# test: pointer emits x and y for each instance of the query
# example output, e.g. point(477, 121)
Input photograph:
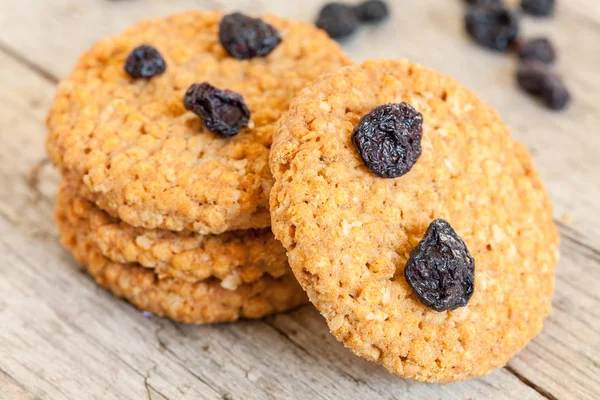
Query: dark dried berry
point(535, 79)
point(388, 139)
point(337, 19)
point(555, 95)
point(244, 37)
point(538, 8)
point(145, 62)
point(372, 11)
point(495, 27)
point(483, 2)
point(223, 112)
point(530, 78)
point(440, 269)
point(539, 49)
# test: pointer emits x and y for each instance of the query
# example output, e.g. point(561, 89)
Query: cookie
point(349, 233)
point(200, 302)
point(233, 257)
point(144, 158)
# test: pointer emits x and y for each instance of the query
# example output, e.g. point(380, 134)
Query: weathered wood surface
point(61, 337)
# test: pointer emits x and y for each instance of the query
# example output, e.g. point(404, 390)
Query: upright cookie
point(350, 233)
point(120, 125)
point(232, 257)
point(200, 302)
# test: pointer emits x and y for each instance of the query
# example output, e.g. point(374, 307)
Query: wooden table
point(62, 337)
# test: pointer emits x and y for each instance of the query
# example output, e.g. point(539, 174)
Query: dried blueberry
point(337, 19)
point(493, 26)
point(539, 49)
point(223, 112)
point(483, 2)
point(372, 11)
point(440, 269)
point(555, 95)
point(535, 79)
point(530, 78)
point(145, 62)
point(538, 8)
point(388, 139)
point(244, 37)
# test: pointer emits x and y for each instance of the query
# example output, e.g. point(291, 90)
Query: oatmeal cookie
point(233, 257)
point(201, 302)
point(143, 157)
point(350, 233)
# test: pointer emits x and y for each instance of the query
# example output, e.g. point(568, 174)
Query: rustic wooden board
point(61, 337)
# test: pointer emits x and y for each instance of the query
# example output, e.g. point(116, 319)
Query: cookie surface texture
point(233, 257)
point(144, 158)
point(201, 302)
point(350, 233)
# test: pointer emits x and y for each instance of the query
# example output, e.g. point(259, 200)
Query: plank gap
point(543, 392)
point(594, 252)
point(21, 59)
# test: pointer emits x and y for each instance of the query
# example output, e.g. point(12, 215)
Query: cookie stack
point(416, 224)
point(162, 135)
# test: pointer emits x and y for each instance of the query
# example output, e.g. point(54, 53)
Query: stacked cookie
point(162, 135)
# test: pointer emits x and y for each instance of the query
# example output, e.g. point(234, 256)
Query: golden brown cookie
point(350, 233)
point(147, 160)
point(200, 302)
point(233, 257)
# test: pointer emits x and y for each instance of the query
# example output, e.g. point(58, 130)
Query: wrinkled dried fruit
point(244, 37)
point(144, 62)
point(531, 76)
point(555, 95)
point(388, 139)
point(483, 2)
point(535, 79)
point(223, 112)
point(440, 269)
point(493, 26)
point(337, 19)
point(539, 49)
point(372, 11)
point(538, 8)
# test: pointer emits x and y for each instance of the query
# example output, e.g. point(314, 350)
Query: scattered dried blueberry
point(535, 79)
point(538, 8)
point(338, 20)
point(372, 11)
point(440, 269)
point(493, 26)
point(556, 96)
point(539, 49)
point(530, 78)
point(388, 139)
point(483, 2)
point(223, 112)
point(244, 37)
point(145, 62)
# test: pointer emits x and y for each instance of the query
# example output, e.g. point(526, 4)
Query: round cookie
point(233, 257)
point(350, 233)
point(147, 160)
point(201, 302)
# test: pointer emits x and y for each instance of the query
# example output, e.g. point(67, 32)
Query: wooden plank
point(11, 389)
point(562, 362)
point(565, 358)
point(63, 337)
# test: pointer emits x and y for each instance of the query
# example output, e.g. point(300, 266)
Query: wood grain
point(61, 337)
